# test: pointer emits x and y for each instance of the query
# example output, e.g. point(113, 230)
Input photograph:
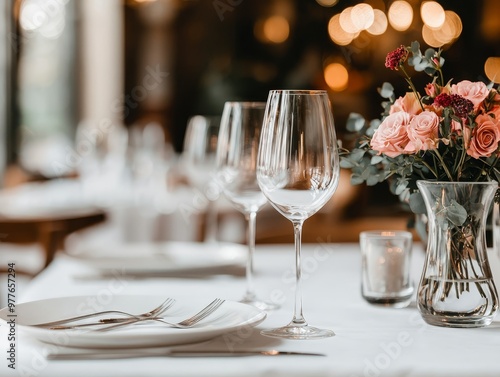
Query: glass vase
point(456, 288)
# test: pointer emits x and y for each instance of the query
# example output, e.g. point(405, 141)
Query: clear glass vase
point(456, 288)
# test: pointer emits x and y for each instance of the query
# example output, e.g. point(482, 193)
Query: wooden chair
point(48, 230)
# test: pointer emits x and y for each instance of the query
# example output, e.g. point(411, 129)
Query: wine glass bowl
point(237, 151)
point(298, 171)
point(199, 152)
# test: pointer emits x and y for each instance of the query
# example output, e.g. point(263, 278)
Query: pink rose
point(485, 137)
point(391, 137)
point(423, 132)
point(476, 92)
point(430, 90)
point(409, 103)
point(495, 111)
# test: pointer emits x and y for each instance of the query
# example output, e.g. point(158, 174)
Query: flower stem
point(443, 164)
point(410, 83)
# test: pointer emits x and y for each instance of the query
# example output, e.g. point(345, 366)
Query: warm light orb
point(453, 21)
point(451, 29)
point(492, 69)
point(430, 38)
point(400, 15)
point(432, 14)
point(346, 21)
point(336, 76)
point(327, 3)
point(337, 34)
point(379, 25)
point(276, 29)
point(362, 16)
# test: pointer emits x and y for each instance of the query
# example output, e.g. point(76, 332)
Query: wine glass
point(200, 146)
point(298, 171)
point(236, 171)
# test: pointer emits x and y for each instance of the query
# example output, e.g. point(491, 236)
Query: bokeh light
point(379, 25)
point(400, 15)
point(337, 33)
point(362, 16)
point(327, 3)
point(432, 14)
point(346, 21)
point(492, 69)
point(336, 76)
point(274, 29)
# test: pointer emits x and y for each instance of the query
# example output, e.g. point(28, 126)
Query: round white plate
point(229, 317)
point(162, 257)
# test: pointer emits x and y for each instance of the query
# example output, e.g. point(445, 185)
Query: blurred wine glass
point(298, 171)
point(150, 158)
point(237, 149)
point(200, 145)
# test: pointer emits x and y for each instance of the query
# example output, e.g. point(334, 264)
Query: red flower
point(443, 100)
point(396, 58)
point(461, 106)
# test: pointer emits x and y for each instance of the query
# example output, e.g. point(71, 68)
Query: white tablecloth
point(370, 341)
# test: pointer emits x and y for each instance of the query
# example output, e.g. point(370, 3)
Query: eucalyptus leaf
point(346, 163)
point(429, 53)
point(376, 160)
point(372, 180)
point(357, 154)
point(401, 187)
point(387, 90)
point(421, 66)
point(356, 180)
point(415, 48)
point(417, 204)
point(414, 60)
point(430, 70)
point(355, 122)
point(456, 213)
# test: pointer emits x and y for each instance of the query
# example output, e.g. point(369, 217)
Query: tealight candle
point(386, 267)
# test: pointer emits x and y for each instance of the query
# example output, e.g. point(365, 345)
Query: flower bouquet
point(440, 151)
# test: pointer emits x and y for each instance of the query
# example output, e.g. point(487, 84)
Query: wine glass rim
point(247, 103)
point(298, 91)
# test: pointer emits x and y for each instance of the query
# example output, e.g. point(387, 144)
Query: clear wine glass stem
point(251, 221)
point(298, 318)
point(211, 222)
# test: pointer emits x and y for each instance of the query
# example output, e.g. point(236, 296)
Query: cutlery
point(119, 322)
point(125, 354)
point(186, 323)
point(152, 313)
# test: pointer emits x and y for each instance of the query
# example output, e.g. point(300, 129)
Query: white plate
point(229, 317)
point(162, 257)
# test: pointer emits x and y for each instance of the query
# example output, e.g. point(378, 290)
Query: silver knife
point(126, 354)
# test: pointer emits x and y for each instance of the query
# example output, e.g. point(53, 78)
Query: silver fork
point(186, 323)
point(152, 313)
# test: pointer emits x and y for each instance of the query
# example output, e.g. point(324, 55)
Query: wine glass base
point(298, 332)
point(263, 305)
